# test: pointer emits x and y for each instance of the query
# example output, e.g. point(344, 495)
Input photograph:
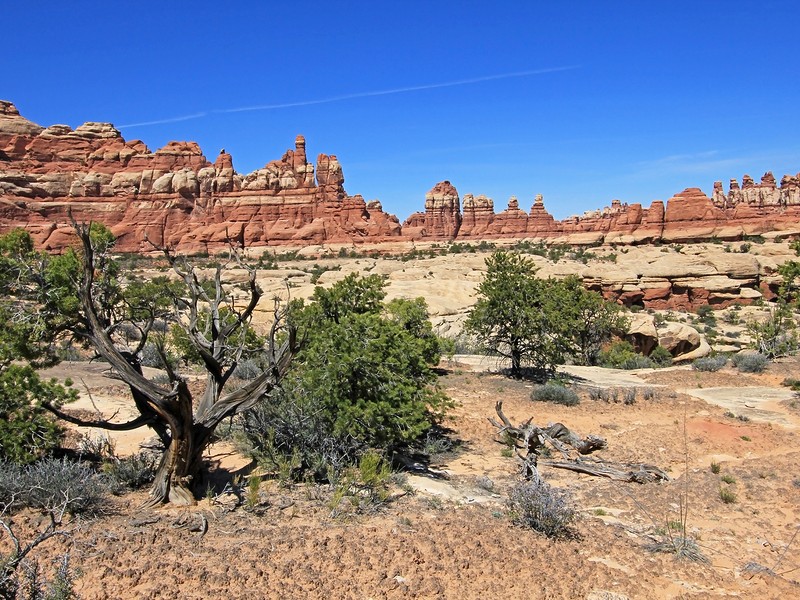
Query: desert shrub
point(727, 495)
point(24, 580)
point(119, 474)
point(130, 472)
point(605, 394)
point(363, 487)
point(465, 344)
point(621, 355)
point(150, 357)
point(248, 369)
point(792, 383)
point(660, 357)
point(710, 363)
point(629, 396)
point(267, 260)
point(294, 437)
point(677, 543)
point(68, 352)
point(436, 442)
point(706, 315)
point(96, 448)
point(447, 347)
point(616, 353)
point(536, 505)
point(777, 334)
point(51, 483)
point(161, 379)
point(626, 395)
point(554, 392)
point(750, 362)
point(731, 317)
point(364, 379)
point(27, 431)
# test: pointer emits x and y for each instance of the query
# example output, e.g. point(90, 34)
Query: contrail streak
point(403, 90)
point(198, 115)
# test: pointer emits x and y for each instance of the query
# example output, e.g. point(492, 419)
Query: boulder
point(704, 349)
point(679, 338)
point(642, 332)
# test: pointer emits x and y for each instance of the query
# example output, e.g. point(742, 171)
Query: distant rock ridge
point(175, 196)
point(689, 216)
point(172, 196)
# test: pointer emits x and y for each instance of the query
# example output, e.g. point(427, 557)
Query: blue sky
point(583, 102)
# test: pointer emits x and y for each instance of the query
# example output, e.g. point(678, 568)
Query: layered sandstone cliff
point(688, 216)
point(172, 196)
point(175, 196)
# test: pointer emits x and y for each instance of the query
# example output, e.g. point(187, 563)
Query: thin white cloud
point(403, 90)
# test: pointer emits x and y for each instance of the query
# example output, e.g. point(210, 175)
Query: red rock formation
point(691, 215)
point(478, 216)
point(442, 216)
point(174, 195)
point(540, 222)
point(512, 222)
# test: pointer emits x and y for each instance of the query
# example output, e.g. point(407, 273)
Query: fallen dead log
point(635, 472)
point(532, 442)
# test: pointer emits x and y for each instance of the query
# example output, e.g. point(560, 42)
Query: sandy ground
point(451, 538)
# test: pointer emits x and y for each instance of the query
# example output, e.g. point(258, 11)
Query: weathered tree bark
point(516, 361)
point(531, 442)
point(634, 472)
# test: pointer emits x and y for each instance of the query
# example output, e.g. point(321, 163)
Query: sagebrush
point(50, 483)
point(556, 393)
point(710, 363)
point(538, 506)
point(750, 362)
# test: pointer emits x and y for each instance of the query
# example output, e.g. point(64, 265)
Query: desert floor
point(451, 537)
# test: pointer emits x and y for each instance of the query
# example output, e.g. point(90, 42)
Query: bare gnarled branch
point(531, 441)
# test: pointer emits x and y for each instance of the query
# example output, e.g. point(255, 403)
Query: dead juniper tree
point(215, 327)
point(532, 442)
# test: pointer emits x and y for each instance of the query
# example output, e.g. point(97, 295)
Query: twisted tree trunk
point(186, 431)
